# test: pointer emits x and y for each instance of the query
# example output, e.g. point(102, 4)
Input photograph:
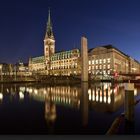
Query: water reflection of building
point(103, 97)
point(68, 96)
point(106, 97)
point(50, 114)
point(50, 111)
point(13, 91)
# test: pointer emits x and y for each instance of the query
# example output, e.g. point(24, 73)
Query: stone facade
point(106, 60)
point(65, 63)
point(103, 61)
point(37, 64)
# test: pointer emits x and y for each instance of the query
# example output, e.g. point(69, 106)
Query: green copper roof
point(65, 54)
point(40, 59)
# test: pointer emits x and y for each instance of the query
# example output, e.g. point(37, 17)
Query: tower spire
point(49, 17)
point(49, 26)
point(49, 41)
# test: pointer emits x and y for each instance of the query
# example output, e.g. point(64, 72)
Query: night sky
point(23, 26)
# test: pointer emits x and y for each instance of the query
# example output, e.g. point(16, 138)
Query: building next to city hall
point(103, 60)
point(106, 60)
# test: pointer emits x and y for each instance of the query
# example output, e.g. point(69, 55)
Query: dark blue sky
point(23, 26)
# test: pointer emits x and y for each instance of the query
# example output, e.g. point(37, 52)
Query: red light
point(116, 74)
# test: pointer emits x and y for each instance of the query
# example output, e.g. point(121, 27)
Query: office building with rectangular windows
point(106, 60)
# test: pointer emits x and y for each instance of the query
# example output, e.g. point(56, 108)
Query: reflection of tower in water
point(50, 112)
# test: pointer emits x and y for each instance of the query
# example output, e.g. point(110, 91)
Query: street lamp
point(1, 72)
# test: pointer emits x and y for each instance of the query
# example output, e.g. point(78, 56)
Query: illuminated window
point(108, 66)
point(89, 62)
point(100, 67)
point(93, 67)
point(126, 65)
point(93, 62)
point(100, 61)
point(75, 72)
point(104, 67)
point(96, 61)
point(89, 67)
point(108, 71)
point(104, 60)
point(96, 67)
point(108, 60)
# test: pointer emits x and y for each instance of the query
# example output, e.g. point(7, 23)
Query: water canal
point(77, 109)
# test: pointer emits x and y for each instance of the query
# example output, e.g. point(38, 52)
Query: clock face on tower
point(49, 43)
point(49, 47)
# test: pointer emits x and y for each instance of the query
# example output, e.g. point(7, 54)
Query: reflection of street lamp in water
point(1, 93)
point(1, 96)
point(1, 72)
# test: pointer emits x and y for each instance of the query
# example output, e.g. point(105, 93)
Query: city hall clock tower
point(49, 41)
